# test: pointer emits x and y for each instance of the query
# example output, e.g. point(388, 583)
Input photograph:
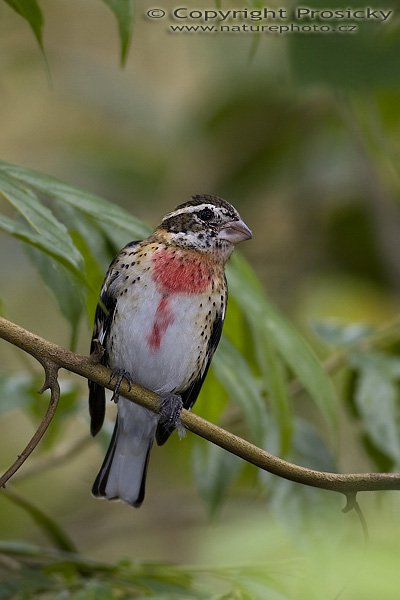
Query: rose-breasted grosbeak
point(160, 319)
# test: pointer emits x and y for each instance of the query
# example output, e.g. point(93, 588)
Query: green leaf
point(236, 328)
point(233, 372)
point(87, 229)
point(93, 274)
point(214, 470)
point(103, 212)
point(275, 380)
point(123, 12)
point(213, 398)
point(52, 530)
point(365, 59)
point(43, 231)
point(15, 390)
point(67, 291)
point(95, 248)
point(300, 506)
point(70, 393)
point(26, 582)
point(21, 391)
point(30, 10)
point(291, 346)
point(376, 399)
point(336, 333)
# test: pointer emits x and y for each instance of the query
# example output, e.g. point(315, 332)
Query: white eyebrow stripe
point(190, 209)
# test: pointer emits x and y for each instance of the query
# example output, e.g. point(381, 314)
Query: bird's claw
point(170, 411)
point(119, 375)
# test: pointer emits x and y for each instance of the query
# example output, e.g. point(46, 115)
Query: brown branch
point(50, 383)
point(347, 484)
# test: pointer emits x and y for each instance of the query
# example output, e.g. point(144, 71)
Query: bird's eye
point(206, 214)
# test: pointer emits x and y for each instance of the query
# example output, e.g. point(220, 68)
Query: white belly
point(162, 357)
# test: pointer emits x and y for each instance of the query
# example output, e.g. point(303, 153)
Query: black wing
point(102, 323)
point(190, 395)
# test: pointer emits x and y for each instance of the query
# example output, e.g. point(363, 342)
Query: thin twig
point(51, 383)
point(351, 501)
point(47, 352)
point(363, 522)
point(352, 504)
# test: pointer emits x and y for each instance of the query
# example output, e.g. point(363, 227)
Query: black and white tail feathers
point(122, 477)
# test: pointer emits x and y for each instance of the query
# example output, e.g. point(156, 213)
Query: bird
point(158, 323)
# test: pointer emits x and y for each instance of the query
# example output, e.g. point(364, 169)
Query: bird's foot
point(170, 411)
point(119, 375)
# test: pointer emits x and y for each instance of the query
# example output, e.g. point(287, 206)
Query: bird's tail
point(123, 472)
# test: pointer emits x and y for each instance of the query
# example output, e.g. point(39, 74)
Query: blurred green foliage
point(247, 381)
point(303, 135)
point(30, 10)
point(122, 10)
point(373, 51)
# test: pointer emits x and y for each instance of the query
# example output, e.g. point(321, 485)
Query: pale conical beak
point(235, 232)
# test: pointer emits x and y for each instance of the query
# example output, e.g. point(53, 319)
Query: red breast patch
point(182, 272)
point(163, 318)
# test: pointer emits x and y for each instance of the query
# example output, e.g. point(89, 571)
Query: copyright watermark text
point(299, 19)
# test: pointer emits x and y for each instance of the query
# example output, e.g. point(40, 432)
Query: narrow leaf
point(93, 274)
point(103, 212)
point(377, 400)
point(87, 229)
point(53, 531)
point(233, 372)
point(15, 390)
point(123, 12)
point(335, 333)
point(44, 231)
point(292, 347)
point(363, 62)
point(214, 470)
point(30, 11)
point(67, 291)
point(300, 507)
point(274, 376)
point(22, 232)
point(70, 393)
point(213, 398)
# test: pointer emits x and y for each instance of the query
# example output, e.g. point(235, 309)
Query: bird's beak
point(235, 232)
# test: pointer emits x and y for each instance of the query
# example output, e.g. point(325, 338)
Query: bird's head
point(205, 223)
